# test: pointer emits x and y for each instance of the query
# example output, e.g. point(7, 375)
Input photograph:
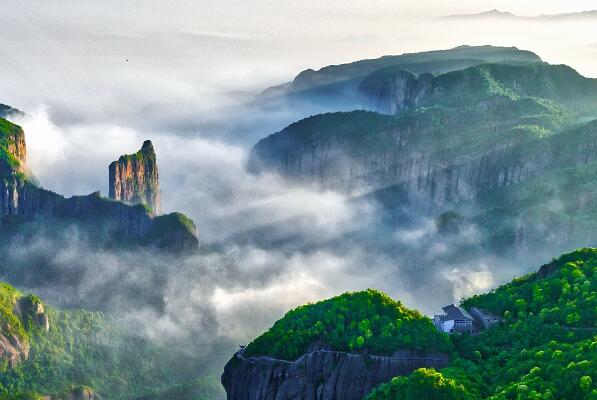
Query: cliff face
point(511, 145)
point(395, 92)
point(134, 179)
point(13, 349)
point(116, 222)
point(16, 314)
point(319, 375)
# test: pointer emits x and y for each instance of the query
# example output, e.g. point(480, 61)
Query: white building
point(454, 319)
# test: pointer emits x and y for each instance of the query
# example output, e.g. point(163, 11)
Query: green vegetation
point(368, 320)
point(89, 349)
point(8, 134)
point(508, 136)
point(423, 384)
point(545, 349)
point(173, 231)
point(10, 323)
point(567, 297)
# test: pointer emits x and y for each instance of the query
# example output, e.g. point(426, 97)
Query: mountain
point(364, 337)
point(425, 61)
point(134, 179)
point(335, 87)
point(114, 223)
point(77, 354)
point(497, 14)
point(507, 146)
point(543, 347)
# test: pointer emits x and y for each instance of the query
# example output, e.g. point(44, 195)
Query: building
point(454, 319)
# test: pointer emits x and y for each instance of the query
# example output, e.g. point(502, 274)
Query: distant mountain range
point(496, 128)
point(590, 14)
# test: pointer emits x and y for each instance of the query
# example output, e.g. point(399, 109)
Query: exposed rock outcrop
point(395, 92)
point(112, 221)
point(13, 349)
point(17, 314)
point(319, 374)
point(31, 308)
point(134, 179)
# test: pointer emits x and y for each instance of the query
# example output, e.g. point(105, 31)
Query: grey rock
point(319, 375)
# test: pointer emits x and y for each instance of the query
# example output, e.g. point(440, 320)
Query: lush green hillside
point(350, 322)
point(546, 348)
point(88, 348)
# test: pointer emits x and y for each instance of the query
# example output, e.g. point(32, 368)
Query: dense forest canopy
point(546, 347)
point(367, 320)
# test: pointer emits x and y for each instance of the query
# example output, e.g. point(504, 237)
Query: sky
point(98, 78)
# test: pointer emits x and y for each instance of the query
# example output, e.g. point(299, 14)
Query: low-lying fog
point(97, 79)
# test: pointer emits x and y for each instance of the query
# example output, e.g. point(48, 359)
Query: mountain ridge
point(495, 13)
point(556, 303)
point(22, 200)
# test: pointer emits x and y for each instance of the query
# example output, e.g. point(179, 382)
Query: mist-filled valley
point(429, 155)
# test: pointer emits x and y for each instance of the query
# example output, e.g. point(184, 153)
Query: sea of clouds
point(97, 80)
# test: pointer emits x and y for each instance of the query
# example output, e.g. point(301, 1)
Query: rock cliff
point(17, 313)
point(320, 374)
point(110, 222)
point(13, 349)
point(134, 179)
point(516, 142)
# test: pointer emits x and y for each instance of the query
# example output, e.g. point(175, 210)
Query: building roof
point(456, 312)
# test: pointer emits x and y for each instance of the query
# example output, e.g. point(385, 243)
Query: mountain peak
point(134, 178)
point(147, 147)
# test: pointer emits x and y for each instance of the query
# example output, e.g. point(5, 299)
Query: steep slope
point(17, 316)
point(83, 353)
point(134, 179)
point(337, 348)
point(513, 142)
point(544, 348)
point(110, 222)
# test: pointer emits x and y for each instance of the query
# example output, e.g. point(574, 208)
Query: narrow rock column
point(134, 179)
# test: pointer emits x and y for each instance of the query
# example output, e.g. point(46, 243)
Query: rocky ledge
point(319, 374)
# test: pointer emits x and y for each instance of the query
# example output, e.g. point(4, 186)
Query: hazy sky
point(186, 57)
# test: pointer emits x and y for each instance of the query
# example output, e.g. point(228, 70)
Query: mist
point(97, 80)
